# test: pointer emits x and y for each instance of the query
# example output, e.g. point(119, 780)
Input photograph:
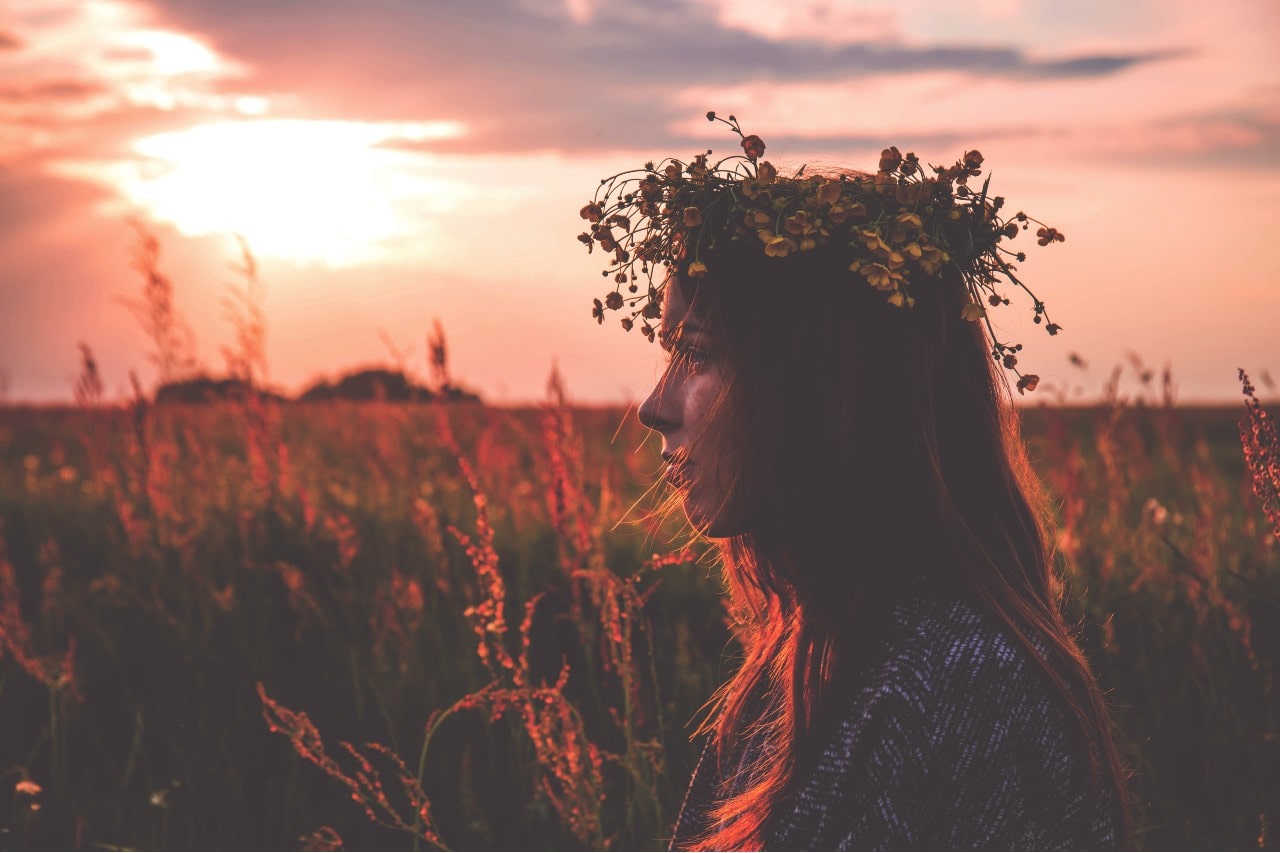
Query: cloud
point(51, 90)
point(528, 76)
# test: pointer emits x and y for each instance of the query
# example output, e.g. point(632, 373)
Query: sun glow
point(330, 192)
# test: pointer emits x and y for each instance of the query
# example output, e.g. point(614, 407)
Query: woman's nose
point(658, 411)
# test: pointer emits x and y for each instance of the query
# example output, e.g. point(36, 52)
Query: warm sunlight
point(330, 192)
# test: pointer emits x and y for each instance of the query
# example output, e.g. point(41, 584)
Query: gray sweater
point(954, 740)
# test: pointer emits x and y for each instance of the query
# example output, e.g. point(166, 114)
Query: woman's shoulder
point(939, 647)
point(953, 735)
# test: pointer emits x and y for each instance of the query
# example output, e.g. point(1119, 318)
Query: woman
point(833, 417)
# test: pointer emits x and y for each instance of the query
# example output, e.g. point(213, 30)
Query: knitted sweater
point(954, 740)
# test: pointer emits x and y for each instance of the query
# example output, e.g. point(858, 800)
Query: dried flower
point(1049, 235)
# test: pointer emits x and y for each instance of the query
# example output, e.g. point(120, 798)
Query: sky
point(392, 162)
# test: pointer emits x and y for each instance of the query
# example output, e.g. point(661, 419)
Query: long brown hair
point(875, 446)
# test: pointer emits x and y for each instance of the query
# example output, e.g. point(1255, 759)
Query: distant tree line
point(366, 385)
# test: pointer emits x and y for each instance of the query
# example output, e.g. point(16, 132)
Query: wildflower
point(898, 299)
point(829, 192)
point(1049, 235)
point(780, 247)
point(878, 276)
point(613, 301)
point(1028, 383)
point(905, 227)
point(890, 159)
point(872, 240)
point(697, 269)
point(692, 217)
point(26, 786)
point(932, 258)
point(753, 146)
point(972, 160)
point(972, 311)
point(766, 173)
point(1155, 511)
point(800, 222)
point(592, 211)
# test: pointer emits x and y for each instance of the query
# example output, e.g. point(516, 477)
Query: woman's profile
point(835, 418)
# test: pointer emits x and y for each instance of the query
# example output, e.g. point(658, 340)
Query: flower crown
point(900, 227)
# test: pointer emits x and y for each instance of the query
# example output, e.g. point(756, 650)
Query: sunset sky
point(393, 162)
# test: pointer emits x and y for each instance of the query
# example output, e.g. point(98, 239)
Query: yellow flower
point(932, 258)
point(855, 266)
point(905, 227)
point(912, 251)
point(898, 299)
point(757, 219)
point(800, 222)
point(780, 247)
point(807, 243)
point(879, 276)
point(895, 260)
point(871, 239)
point(766, 173)
point(829, 193)
point(972, 311)
point(697, 269)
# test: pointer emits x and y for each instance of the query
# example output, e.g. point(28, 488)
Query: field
point(406, 626)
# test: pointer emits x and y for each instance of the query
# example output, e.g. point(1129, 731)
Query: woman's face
point(679, 408)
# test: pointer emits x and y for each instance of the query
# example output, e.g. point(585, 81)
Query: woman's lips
point(678, 473)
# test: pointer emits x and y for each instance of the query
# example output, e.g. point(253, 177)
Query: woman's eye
point(694, 357)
